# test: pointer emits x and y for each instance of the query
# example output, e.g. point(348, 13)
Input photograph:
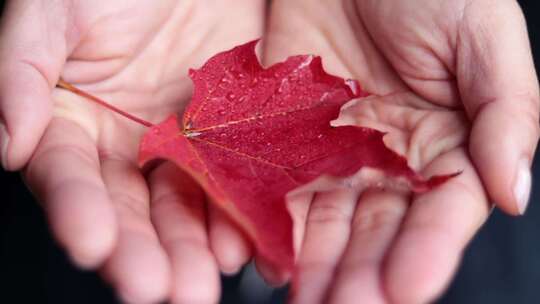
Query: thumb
point(32, 51)
point(498, 84)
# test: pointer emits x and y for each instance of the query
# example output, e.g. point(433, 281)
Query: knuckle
point(130, 204)
point(376, 220)
point(322, 214)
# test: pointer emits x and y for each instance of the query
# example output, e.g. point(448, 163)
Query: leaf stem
point(67, 86)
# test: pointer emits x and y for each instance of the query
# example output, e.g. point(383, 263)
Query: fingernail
point(522, 187)
point(4, 142)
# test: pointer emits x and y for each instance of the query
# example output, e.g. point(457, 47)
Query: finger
point(30, 61)
point(272, 276)
point(437, 227)
point(327, 232)
point(498, 84)
point(375, 223)
point(178, 213)
point(227, 241)
point(64, 173)
point(138, 267)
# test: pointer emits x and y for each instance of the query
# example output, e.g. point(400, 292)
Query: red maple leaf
point(250, 135)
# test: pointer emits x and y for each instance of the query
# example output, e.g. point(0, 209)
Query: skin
point(445, 88)
point(143, 232)
point(456, 89)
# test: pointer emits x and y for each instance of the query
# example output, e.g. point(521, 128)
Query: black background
point(502, 264)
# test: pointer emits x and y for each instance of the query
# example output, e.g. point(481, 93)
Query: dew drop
point(230, 96)
point(243, 98)
point(226, 79)
point(306, 62)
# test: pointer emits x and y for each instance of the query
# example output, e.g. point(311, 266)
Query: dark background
point(502, 264)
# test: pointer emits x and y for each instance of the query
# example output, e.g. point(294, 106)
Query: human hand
point(144, 233)
point(456, 90)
